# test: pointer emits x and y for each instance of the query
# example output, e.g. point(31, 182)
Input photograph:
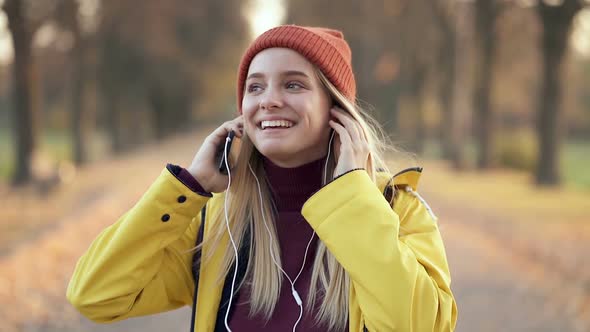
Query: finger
point(343, 134)
point(220, 133)
point(349, 123)
point(239, 121)
point(237, 129)
point(361, 135)
point(237, 126)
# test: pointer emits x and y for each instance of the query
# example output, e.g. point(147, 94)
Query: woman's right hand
point(203, 167)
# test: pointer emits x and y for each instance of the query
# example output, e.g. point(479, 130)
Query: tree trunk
point(447, 93)
point(556, 23)
point(484, 122)
point(462, 98)
point(112, 109)
point(157, 100)
point(80, 121)
point(25, 123)
point(78, 112)
point(391, 97)
point(416, 98)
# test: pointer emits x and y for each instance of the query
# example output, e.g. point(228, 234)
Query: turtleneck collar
point(291, 187)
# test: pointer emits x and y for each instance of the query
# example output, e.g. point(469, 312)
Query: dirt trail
point(496, 289)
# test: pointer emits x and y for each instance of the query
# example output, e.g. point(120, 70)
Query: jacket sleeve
point(141, 264)
point(395, 258)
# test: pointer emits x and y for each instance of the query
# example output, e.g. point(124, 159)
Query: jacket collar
point(407, 177)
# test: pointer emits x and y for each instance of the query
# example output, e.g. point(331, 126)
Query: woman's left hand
point(351, 147)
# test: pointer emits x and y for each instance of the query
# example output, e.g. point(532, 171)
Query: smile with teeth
point(276, 124)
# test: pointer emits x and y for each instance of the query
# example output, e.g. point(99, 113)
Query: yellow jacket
point(396, 260)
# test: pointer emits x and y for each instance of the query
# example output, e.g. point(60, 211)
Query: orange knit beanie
point(325, 48)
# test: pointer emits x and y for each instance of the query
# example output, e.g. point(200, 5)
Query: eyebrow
point(286, 73)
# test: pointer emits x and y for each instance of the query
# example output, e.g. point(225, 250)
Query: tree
point(450, 16)
point(486, 14)
point(67, 16)
point(444, 18)
point(556, 22)
point(417, 43)
point(24, 19)
point(160, 58)
point(25, 112)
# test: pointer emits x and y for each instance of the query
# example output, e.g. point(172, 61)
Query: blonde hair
point(329, 279)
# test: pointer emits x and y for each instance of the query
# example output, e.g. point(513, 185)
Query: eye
point(294, 85)
point(254, 87)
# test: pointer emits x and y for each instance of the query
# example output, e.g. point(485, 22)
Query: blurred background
point(492, 97)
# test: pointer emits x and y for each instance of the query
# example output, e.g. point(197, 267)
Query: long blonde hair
point(329, 279)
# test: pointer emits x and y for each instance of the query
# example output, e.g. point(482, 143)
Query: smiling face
point(286, 108)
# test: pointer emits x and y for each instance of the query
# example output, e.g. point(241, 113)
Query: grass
point(54, 145)
point(6, 155)
point(575, 164)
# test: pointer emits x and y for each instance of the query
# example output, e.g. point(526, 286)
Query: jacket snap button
point(181, 199)
point(165, 217)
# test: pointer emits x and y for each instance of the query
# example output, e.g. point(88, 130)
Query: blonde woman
point(307, 232)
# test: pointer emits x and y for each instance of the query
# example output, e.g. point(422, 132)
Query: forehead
point(276, 60)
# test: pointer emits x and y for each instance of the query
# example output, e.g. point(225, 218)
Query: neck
point(292, 186)
point(292, 163)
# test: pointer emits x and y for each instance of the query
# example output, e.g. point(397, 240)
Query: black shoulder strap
point(244, 254)
point(195, 267)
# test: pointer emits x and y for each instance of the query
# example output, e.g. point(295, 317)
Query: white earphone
point(292, 282)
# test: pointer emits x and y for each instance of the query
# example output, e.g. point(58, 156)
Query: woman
point(305, 233)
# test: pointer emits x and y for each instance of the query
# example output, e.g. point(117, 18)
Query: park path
point(497, 287)
point(495, 290)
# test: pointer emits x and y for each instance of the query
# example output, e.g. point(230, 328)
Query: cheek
point(249, 124)
point(320, 117)
point(248, 111)
point(321, 110)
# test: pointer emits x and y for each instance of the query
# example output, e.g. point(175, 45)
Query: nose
point(271, 99)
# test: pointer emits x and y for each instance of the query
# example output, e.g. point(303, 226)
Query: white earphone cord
point(292, 282)
point(227, 140)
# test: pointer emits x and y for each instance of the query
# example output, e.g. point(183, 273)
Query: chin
point(273, 151)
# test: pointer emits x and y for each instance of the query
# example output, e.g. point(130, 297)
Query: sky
point(265, 14)
point(5, 42)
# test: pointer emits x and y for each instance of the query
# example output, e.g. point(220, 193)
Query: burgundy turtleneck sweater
point(291, 187)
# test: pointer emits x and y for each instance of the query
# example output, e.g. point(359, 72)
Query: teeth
point(276, 123)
